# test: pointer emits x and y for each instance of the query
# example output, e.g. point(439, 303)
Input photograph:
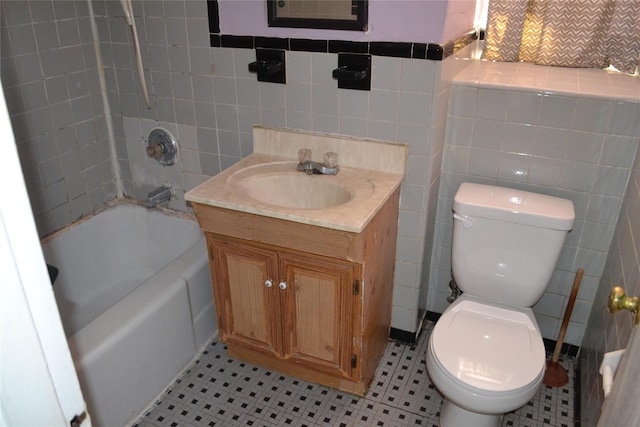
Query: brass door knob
point(618, 300)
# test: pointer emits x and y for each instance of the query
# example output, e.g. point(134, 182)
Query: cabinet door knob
point(268, 283)
point(283, 285)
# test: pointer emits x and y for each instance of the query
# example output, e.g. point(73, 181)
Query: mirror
point(322, 14)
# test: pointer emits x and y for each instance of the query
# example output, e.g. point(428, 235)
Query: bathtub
point(135, 299)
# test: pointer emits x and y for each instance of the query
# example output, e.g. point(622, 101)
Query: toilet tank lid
point(507, 204)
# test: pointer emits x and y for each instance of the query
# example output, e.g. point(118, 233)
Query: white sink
point(279, 184)
point(298, 191)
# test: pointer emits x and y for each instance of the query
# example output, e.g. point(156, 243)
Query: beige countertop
point(367, 190)
point(264, 182)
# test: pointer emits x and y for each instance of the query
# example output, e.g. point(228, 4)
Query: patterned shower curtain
point(568, 33)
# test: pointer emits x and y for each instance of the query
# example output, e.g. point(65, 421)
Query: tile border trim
point(214, 16)
point(403, 336)
point(412, 50)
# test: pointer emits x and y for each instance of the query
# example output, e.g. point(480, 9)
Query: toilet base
point(451, 415)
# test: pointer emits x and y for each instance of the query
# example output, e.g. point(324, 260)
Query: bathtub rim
point(110, 205)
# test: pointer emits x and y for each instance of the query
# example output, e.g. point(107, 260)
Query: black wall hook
point(269, 66)
point(354, 71)
point(265, 67)
point(343, 73)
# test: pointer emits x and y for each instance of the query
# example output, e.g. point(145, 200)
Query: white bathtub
point(134, 294)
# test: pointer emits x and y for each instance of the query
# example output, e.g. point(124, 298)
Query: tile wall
point(517, 125)
point(49, 77)
point(606, 332)
point(207, 98)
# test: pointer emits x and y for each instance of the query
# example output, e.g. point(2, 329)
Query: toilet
point(485, 354)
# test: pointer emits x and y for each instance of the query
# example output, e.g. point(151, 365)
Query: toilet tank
point(506, 242)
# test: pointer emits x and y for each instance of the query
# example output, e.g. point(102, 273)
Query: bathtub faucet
point(159, 195)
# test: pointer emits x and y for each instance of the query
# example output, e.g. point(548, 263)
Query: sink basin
point(298, 191)
point(279, 185)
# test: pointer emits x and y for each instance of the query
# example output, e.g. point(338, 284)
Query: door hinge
point(356, 287)
point(354, 361)
point(78, 419)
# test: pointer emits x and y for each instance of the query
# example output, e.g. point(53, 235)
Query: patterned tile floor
point(219, 391)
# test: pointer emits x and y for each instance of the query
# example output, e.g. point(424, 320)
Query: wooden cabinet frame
point(349, 274)
point(309, 322)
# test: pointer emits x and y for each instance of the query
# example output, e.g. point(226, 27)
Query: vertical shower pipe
point(127, 7)
point(128, 12)
point(115, 166)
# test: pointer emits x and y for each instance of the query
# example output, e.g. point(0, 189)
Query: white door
point(38, 382)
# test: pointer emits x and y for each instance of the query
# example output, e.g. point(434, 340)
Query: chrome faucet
point(305, 164)
point(159, 195)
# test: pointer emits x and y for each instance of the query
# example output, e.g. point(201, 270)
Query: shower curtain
point(569, 33)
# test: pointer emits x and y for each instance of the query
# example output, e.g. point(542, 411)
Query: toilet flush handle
point(465, 220)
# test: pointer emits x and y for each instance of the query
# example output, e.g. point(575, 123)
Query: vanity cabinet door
point(318, 304)
point(247, 295)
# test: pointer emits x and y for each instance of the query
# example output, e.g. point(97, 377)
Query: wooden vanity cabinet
point(303, 300)
point(288, 305)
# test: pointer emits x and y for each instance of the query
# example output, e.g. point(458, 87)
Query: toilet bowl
point(486, 359)
point(485, 354)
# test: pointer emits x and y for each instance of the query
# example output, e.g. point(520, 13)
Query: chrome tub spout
point(159, 195)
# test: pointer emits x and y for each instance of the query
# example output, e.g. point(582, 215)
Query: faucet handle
point(330, 159)
point(154, 150)
point(304, 155)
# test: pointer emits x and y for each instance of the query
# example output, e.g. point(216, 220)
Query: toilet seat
point(487, 347)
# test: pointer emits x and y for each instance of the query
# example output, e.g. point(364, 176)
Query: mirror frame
point(359, 24)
